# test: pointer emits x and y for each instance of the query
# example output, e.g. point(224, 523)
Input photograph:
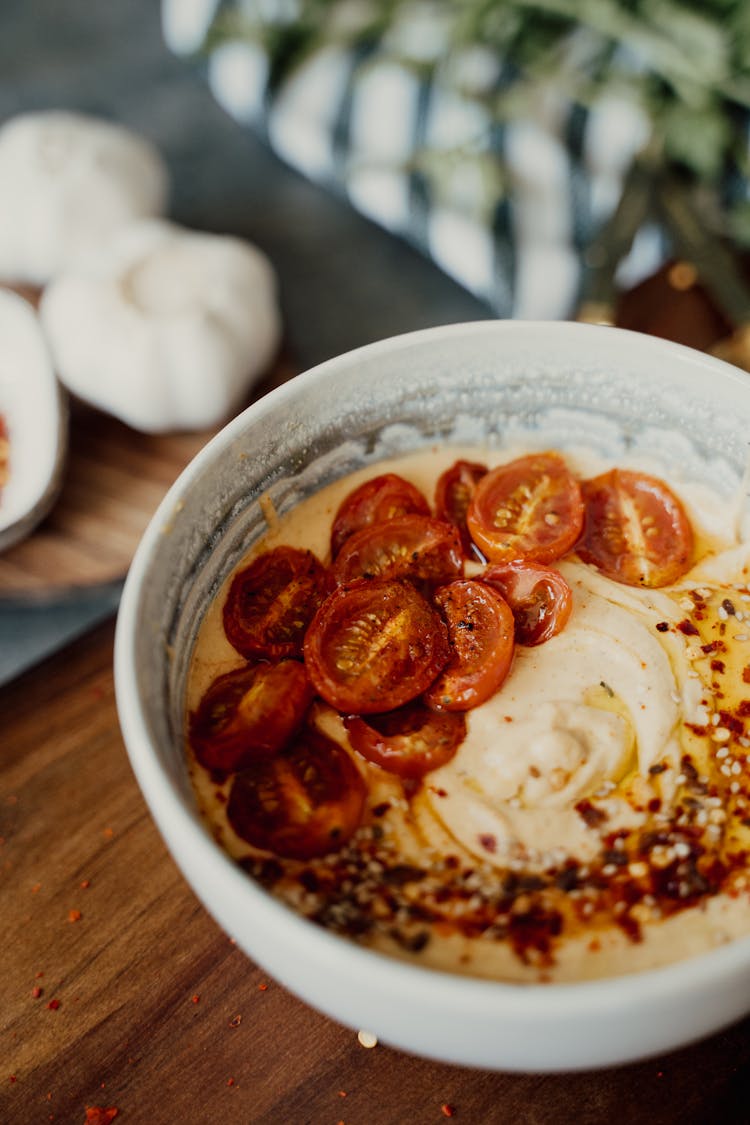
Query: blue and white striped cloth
point(401, 130)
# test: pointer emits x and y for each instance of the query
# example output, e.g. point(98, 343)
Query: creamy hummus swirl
point(576, 718)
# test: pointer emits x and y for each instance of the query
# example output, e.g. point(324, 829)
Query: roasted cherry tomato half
point(480, 626)
point(374, 646)
point(250, 713)
point(271, 602)
point(529, 508)
point(453, 493)
point(410, 741)
point(419, 548)
point(636, 530)
point(383, 498)
point(306, 801)
point(539, 597)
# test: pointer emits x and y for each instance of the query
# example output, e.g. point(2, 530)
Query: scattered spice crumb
point(367, 1039)
point(342, 1093)
point(262, 987)
point(108, 833)
point(36, 991)
point(38, 976)
point(53, 1005)
point(85, 884)
point(74, 916)
point(447, 1110)
point(99, 1115)
point(36, 888)
point(195, 998)
point(13, 1078)
point(230, 1082)
point(235, 1021)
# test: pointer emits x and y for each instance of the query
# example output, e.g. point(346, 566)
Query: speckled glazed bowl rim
point(449, 1017)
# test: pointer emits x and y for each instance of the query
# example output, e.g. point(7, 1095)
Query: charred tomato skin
point(249, 713)
point(271, 602)
point(453, 494)
point(410, 741)
point(418, 548)
point(385, 497)
point(527, 508)
point(636, 530)
point(481, 629)
point(374, 645)
point(540, 599)
point(306, 801)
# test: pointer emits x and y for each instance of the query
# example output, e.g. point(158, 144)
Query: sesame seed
point(722, 753)
point(740, 636)
point(720, 734)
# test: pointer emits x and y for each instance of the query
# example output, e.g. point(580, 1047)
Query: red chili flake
point(230, 1082)
point(662, 626)
point(53, 1005)
point(743, 709)
point(74, 916)
point(488, 842)
point(235, 1021)
point(381, 809)
point(591, 816)
point(688, 628)
point(746, 674)
point(262, 987)
point(36, 991)
point(447, 1110)
point(99, 1115)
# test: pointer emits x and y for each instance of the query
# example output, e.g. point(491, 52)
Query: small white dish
point(34, 409)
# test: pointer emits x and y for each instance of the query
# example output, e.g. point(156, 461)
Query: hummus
point(595, 820)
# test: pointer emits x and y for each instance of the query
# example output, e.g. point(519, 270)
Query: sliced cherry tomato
point(374, 646)
point(453, 493)
point(306, 801)
point(528, 508)
point(410, 741)
point(480, 626)
point(383, 498)
point(539, 597)
point(636, 530)
point(250, 713)
point(271, 602)
point(419, 548)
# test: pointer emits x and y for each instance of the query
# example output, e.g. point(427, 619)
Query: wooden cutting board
point(114, 480)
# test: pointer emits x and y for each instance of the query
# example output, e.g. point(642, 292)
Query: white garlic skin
point(67, 181)
point(167, 329)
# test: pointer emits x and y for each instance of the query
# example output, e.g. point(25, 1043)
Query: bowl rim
point(179, 826)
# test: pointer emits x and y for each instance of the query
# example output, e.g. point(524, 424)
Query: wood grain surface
point(162, 1018)
point(114, 479)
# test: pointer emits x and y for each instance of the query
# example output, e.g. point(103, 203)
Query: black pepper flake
point(381, 809)
point(658, 768)
point(403, 873)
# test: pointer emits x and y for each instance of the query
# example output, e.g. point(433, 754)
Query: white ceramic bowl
point(476, 382)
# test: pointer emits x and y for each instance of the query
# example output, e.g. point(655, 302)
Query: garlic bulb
point(67, 181)
point(164, 328)
point(34, 411)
